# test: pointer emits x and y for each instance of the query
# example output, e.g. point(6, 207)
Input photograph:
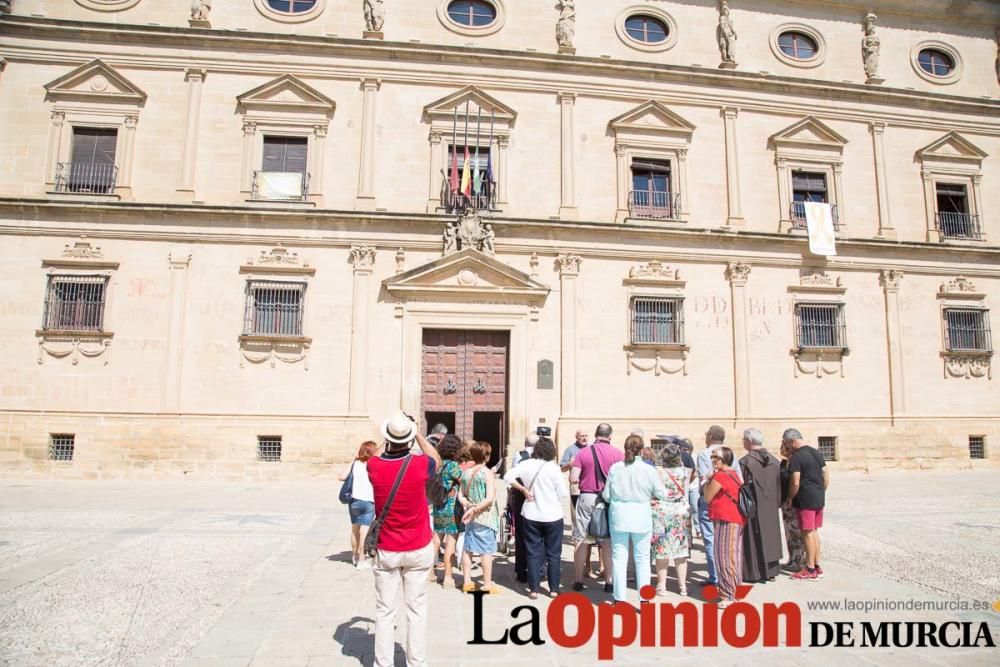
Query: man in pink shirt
point(405, 547)
point(584, 471)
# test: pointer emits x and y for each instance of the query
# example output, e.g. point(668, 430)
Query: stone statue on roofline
point(870, 45)
point(566, 25)
point(5, 6)
point(200, 9)
point(374, 15)
point(726, 34)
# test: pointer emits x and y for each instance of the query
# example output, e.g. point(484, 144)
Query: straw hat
point(399, 429)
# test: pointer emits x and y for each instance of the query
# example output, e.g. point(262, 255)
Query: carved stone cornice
point(654, 273)
point(81, 255)
point(82, 249)
point(960, 288)
point(569, 264)
point(818, 282)
point(738, 273)
point(278, 260)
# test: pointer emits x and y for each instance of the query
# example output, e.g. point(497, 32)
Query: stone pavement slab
point(213, 574)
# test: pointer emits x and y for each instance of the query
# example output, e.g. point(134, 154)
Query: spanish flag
point(467, 177)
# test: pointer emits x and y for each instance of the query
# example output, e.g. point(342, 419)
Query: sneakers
point(819, 571)
point(805, 575)
point(609, 588)
point(364, 564)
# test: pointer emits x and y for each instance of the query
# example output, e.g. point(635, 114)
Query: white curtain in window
point(819, 221)
point(280, 185)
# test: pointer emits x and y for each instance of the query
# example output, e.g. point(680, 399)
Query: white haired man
point(762, 534)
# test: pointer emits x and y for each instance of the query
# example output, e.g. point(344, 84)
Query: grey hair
point(791, 434)
point(603, 431)
point(754, 436)
point(639, 432)
point(439, 429)
point(670, 456)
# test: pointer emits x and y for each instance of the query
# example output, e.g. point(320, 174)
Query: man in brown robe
point(762, 534)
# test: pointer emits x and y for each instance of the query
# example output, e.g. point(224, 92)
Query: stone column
point(56, 123)
point(738, 273)
point(363, 259)
point(318, 159)
point(784, 197)
point(125, 166)
point(567, 207)
point(189, 157)
point(437, 173)
point(171, 388)
point(732, 167)
point(624, 182)
point(249, 136)
point(890, 279)
point(366, 175)
point(885, 229)
point(569, 270)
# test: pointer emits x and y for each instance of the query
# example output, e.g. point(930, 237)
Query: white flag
point(819, 222)
point(279, 185)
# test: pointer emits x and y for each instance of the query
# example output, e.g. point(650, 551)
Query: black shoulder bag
point(599, 527)
point(371, 539)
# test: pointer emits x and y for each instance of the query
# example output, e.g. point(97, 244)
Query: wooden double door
point(464, 384)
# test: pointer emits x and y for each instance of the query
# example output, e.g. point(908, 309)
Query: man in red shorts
point(807, 489)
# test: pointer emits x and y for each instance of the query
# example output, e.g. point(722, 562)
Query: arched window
point(291, 6)
point(646, 29)
point(797, 45)
point(472, 13)
point(936, 63)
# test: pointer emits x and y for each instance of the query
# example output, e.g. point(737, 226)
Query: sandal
point(532, 595)
point(467, 588)
point(661, 592)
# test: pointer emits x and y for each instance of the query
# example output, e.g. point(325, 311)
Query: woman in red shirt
point(721, 494)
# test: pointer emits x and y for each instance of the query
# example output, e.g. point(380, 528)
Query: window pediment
point(95, 82)
point(443, 110)
point(467, 274)
point(286, 94)
point(809, 134)
point(952, 148)
point(652, 119)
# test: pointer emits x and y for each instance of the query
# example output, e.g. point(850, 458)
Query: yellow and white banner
point(819, 222)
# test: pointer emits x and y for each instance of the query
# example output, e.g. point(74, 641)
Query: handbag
point(371, 539)
point(437, 494)
point(599, 527)
point(746, 502)
point(347, 488)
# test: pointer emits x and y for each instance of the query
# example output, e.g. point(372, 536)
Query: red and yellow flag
point(467, 176)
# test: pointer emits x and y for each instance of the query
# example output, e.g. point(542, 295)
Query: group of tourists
point(639, 505)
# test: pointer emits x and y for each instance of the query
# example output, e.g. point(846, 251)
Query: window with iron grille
point(658, 320)
point(273, 308)
point(977, 447)
point(269, 448)
point(827, 445)
point(820, 325)
point(75, 303)
point(61, 446)
point(967, 329)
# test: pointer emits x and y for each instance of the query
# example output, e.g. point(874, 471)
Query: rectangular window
point(820, 325)
point(658, 320)
point(75, 303)
point(273, 308)
point(827, 445)
point(481, 191)
point(977, 447)
point(61, 446)
point(809, 186)
point(967, 329)
point(651, 195)
point(92, 165)
point(954, 219)
point(269, 448)
point(282, 172)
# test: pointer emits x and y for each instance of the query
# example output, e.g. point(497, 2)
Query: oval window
point(646, 29)
point(936, 63)
point(472, 13)
point(291, 6)
point(797, 45)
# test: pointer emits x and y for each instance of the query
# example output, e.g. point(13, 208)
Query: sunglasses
point(716, 458)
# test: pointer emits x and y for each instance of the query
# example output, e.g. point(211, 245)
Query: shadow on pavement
point(359, 643)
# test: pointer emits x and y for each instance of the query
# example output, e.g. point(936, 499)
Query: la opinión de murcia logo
point(572, 620)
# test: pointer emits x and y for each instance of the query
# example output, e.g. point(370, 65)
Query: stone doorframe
point(512, 318)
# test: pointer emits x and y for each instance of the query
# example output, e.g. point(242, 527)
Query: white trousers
point(401, 577)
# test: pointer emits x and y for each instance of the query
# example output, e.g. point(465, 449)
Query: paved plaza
point(221, 574)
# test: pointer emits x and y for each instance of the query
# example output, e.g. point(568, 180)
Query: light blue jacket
point(630, 489)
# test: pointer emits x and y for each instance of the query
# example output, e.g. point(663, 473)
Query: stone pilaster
point(189, 157)
point(567, 207)
point(885, 229)
point(890, 279)
point(569, 271)
point(363, 259)
point(434, 186)
point(738, 273)
point(179, 261)
point(732, 167)
point(366, 176)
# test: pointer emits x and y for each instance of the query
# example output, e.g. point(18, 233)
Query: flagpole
point(466, 159)
point(489, 161)
point(452, 164)
point(479, 123)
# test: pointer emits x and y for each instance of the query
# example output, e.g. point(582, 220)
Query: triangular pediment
point(468, 274)
point(286, 93)
point(95, 82)
point(809, 132)
point(652, 117)
point(444, 108)
point(952, 146)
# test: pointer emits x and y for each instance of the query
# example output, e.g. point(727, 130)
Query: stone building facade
point(230, 233)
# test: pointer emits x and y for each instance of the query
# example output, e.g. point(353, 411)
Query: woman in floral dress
point(481, 518)
point(672, 520)
point(446, 528)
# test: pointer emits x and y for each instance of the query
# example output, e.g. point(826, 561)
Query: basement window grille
point(658, 320)
point(61, 446)
point(269, 448)
point(828, 447)
point(977, 447)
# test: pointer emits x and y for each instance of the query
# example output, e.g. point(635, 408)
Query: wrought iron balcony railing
point(959, 226)
point(797, 214)
point(280, 186)
point(456, 202)
point(654, 205)
point(86, 177)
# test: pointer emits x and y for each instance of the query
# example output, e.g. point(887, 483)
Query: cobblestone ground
point(195, 573)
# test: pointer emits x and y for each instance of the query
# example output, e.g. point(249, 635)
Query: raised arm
point(428, 450)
